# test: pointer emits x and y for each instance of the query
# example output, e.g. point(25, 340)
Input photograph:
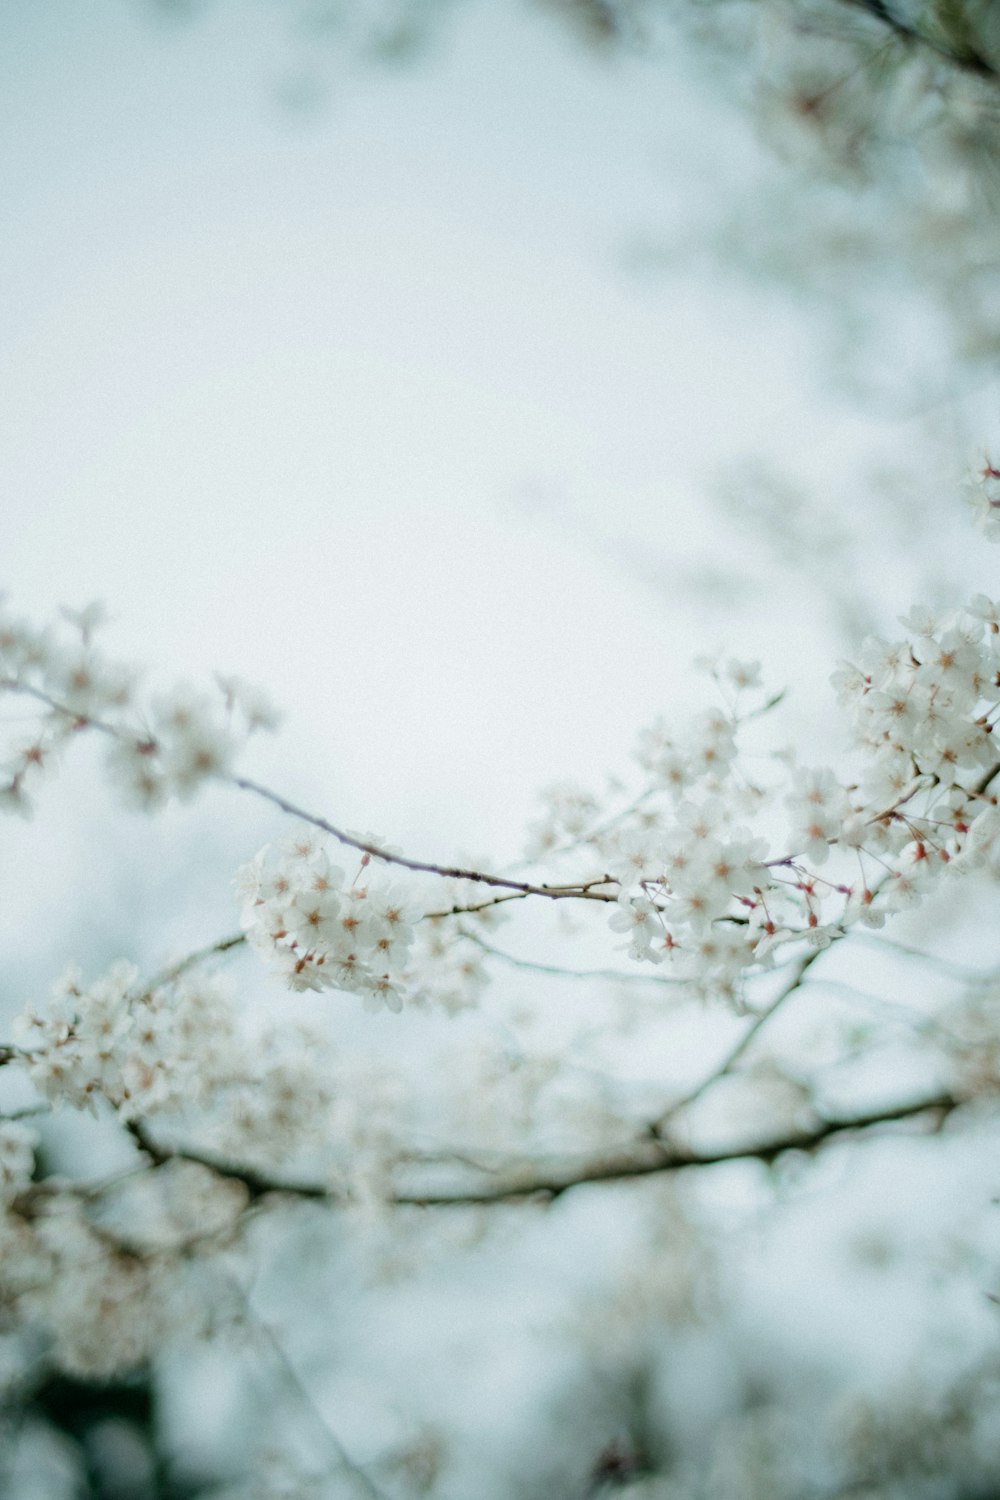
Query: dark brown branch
point(646, 1160)
point(257, 1184)
point(9, 1054)
point(643, 1159)
point(476, 906)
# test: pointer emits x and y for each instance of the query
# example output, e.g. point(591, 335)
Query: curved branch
point(584, 891)
point(651, 1159)
point(192, 960)
point(644, 1158)
point(732, 1057)
point(615, 976)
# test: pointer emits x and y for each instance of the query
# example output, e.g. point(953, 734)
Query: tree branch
point(967, 57)
point(644, 1158)
point(584, 891)
point(192, 960)
point(732, 1057)
point(615, 976)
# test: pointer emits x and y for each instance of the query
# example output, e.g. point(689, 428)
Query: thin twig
point(583, 891)
point(533, 967)
point(652, 1158)
point(191, 961)
point(732, 1057)
point(307, 1401)
point(950, 966)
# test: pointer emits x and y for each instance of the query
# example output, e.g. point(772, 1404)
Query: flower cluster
point(699, 887)
point(683, 880)
point(106, 1283)
point(166, 747)
point(102, 1306)
point(141, 1049)
point(281, 1104)
point(173, 1048)
point(983, 494)
point(17, 1158)
point(317, 930)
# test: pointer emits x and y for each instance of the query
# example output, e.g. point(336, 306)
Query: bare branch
point(965, 973)
point(641, 1159)
point(614, 975)
point(732, 1057)
point(78, 720)
point(651, 1158)
point(584, 891)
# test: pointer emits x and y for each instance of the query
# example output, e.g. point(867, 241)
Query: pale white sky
point(363, 404)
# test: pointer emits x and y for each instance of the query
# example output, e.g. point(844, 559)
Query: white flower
point(983, 496)
point(315, 931)
point(88, 619)
point(17, 1158)
point(983, 608)
point(632, 857)
point(920, 620)
point(742, 674)
point(134, 767)
point(84, 681)
point(193, 741)
point(251, 702)
point(819, 806)
point(639, 918)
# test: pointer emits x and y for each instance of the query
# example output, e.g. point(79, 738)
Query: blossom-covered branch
point(725, 885)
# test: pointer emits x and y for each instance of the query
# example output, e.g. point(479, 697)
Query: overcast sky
point(363, 401)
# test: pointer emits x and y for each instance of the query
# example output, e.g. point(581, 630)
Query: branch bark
point(644, 1158)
